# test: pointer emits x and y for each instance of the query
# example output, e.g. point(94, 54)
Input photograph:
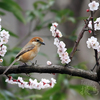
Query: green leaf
point(33, 96)
point(84, 90)
point(38, 14)
point(30, 16)
point(64, 15)
point(11, 8)
point(51, 91)
point(72, 37)
point(43, 24)
point(2, 13)
point(6, 94)
point(59, 96)
point(39, 2)
point(69, 50)
point(60, 78)
point(12, 3)
point(81, 65)
point(51, 2)
point(9, 93)
point(72, 19)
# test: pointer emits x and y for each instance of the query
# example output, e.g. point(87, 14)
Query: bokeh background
point(25, 19)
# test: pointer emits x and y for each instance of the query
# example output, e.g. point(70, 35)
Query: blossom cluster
point(94, 6)
point(55, 31)
point(32, 84)
point(64, 57)
point(93, 43)
point(96, 24)
point(4, 36)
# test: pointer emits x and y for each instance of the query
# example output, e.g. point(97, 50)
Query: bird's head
point(37, 41)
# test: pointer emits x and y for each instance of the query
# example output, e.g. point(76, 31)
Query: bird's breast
point(29, 55)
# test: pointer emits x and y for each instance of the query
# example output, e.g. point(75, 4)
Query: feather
point(10, 66)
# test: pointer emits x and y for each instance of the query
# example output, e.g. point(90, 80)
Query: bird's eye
point(37, 40)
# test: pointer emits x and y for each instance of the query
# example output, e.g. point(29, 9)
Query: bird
point(28, 52)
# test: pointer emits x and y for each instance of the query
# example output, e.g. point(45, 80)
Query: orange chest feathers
point(27, 56)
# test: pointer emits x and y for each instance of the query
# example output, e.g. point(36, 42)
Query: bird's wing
point(25, 49)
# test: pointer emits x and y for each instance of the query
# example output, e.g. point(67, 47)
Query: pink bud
point(18, 80)
point(10, 77)
point(87, 10)
point(89, 31)
point(29, 83)
point(44, 83)
point(53, 73)
point(50, 84)
point(55, 25)
point(14, 80)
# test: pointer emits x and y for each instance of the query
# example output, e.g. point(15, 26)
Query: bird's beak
point(42, 43)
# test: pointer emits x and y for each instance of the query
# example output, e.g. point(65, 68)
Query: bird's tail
point(10, 66)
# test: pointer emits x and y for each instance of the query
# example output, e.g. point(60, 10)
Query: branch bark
point(79, 38)
point(51, 69)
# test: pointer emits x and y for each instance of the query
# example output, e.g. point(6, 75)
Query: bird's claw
point(35, 64)
point(23, 65)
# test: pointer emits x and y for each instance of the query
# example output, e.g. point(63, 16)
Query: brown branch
point(79, 38)
point(51, 69)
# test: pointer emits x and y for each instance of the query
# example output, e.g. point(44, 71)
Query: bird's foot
point(23, 65)
point(34, 64)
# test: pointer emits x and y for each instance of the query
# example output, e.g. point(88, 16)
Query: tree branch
point(51, 69)
point(79, 38)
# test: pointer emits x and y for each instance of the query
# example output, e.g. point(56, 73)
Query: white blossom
point(45, 80)
point(53, 80)
point(58, 33)
point(2, 53)
point(49, 63)
point(61, 44)
point(20, 79)
point(5, 34)
point(46, 86)
point(53, 29)
point(97, 24)
point(98, 48)
point(90, 24)
point(55, 24)
point(4, 40)
point(56, 42)
point(92, 43)
point(65, 60)
point(4, 48)
point(9, 81)
point(61, 51)
point(93, 5)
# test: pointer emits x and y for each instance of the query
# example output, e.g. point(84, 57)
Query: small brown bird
point(28, 52)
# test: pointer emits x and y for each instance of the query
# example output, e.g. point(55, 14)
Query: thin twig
point(95, 64)
point(79, 38)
